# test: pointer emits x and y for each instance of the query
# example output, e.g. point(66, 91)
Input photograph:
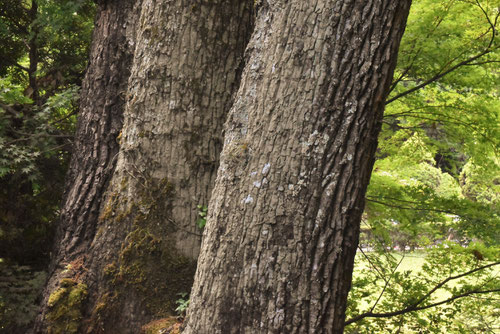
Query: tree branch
point(437, 77)
point(9, 109)
point(15, 64)
point(415, 306)
point(409, 208)
point(387, 284)
point(65, 117)
point(465, 62)
point(382, 276)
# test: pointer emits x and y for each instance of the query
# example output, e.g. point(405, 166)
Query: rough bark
point(131, 241)
point(283, 225)
point(184, 74)
point(94, 154)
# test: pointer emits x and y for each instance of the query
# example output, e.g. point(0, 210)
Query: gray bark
point(129, 242)
point(283, 226)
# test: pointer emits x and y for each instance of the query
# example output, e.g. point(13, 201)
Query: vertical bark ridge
point(283, 223)
point(183, 76)
point(95, 148)
point(100, 121)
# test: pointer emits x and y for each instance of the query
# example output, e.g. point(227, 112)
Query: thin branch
point(414, 110)
point(382, 276)
point(410, 208)
point(450, 121)
point(400, 78)
point(468, 61)
point(417, 53)
point(51, 149)
point(483, 62)
point(177, 226)
point(415, 306)
point(28, 136)
point(387, 284)
point(451, 278)
point(9, 109)
point(65, 117)
point(437, 77)
point(15, 64)
point(395, 199)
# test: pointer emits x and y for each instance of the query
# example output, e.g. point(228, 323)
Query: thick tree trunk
point(95, 150)
point(130, 240)
point(184, 74)
point(283, 224)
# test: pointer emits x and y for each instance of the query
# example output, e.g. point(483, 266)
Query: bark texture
point(283, 225)
point(95, 150)
point(130, 241)
point(184, 74)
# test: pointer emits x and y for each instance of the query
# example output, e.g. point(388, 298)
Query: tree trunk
point(283, 226)
point(33, 54)
point(130, 239)
point(94, 153)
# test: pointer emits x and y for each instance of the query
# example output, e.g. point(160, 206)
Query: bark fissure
point(300, 139)
point(171, 68)
point(92, 163)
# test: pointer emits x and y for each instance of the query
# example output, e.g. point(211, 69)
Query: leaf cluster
point(42, 60)
point(434, 192)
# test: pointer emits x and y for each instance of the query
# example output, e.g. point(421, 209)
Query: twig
point(415, 306)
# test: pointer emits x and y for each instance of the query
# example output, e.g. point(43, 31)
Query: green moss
point(105, 303)
point(109, 209)
point(56, 296)
point(68, 282)
point(65, 307)
point(123, 183)
point(110, 269)
point(152, 266)
point(148, 264)
point(115, 209)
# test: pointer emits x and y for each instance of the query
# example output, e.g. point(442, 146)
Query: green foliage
point(65, 307)
point(437, 163)
point(34, 152)
point(182, 303)
point(42, 60)
point(59, 30)
point(383, 285)
point(436, 179)
point(64, 36)
point(27, 137)
point(202, 216)
point(14, 19)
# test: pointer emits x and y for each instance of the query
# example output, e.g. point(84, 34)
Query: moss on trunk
point(65, 307)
